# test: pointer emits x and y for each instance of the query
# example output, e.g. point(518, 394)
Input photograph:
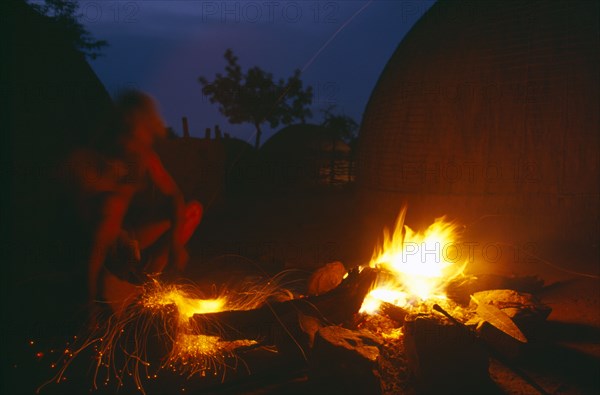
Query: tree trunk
point(258, 133)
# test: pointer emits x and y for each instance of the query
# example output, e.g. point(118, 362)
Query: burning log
point(345, 361)
point(337, 306)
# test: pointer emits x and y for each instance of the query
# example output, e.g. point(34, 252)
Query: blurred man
point(140, 219)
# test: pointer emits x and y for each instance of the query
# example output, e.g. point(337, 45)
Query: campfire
point(410, 318)
point(416, 267)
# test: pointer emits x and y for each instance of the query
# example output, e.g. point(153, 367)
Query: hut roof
point(56, 99)
point(489, 107)
point(301, 139)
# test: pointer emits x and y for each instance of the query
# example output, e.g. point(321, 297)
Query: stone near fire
point(361, 344)
point(524, 309)
point(326, 278)
point(442, 357)
point(345, 361)
point(310, 326)
point(461, 289)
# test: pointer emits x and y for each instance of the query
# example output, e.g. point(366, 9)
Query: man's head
point(139, 117)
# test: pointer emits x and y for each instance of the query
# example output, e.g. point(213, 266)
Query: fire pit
point(409, 321)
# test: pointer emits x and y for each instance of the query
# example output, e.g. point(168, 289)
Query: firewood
point(336, 306)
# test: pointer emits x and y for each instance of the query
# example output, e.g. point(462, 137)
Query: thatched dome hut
point(301, 155)
point(54, 102)
point(205, 169)
point(488, 112)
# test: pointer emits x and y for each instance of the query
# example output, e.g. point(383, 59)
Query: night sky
point(163, 46)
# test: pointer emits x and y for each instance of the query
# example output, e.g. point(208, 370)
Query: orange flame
point(418, 264)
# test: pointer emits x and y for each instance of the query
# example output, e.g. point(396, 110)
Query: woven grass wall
point(488, 111)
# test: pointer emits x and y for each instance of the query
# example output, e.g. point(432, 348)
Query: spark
point(156, 332)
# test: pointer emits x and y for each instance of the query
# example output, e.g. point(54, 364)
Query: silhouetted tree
point(64, 14)
point(254, 97)
point(338, 127)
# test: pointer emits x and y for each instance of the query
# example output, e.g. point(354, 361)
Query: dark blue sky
point(163, 46)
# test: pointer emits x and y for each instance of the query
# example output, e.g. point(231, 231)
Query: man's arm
point(163, 180)
point(93, 174)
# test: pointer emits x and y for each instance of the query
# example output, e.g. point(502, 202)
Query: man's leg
point(159, 250)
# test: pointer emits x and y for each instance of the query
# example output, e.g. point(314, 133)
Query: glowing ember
point(158, 321)
point(191, 349)
point(418, 265)
point(186, 304)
